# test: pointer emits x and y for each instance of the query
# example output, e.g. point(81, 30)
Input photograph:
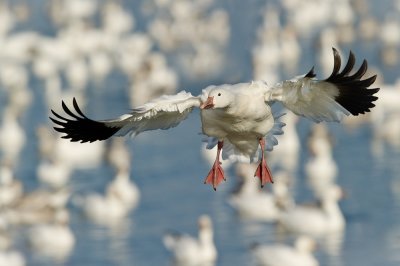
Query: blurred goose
point(39, 206)
point(108, 210)
point(55, 240)
point(12, 136)
point(286, 154)
point(54, 173)
point(284, 255)
point(11, 258)
point(320, 168)
point(118, 154)
point(188, 250)
point(237, 117)
point(8, 256)
point(127, 192)
point(11, 189)
point(268, 205)
point(316, 221)
point(120, 198)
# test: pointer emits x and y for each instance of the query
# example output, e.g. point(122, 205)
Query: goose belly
point(219, 124)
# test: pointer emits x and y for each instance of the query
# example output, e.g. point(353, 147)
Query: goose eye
point(219, 94)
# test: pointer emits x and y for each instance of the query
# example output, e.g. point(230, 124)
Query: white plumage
point(316, 221)
point(55, 240)
point(268, 205)
point(284, 255)
point(187, 250)
point(238, 116)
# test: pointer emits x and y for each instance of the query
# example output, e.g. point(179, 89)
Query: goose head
point(217, 98)
point(205, 230)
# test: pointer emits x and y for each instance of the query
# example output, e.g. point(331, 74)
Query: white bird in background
point(118, 155)
point(284, 255)
point(109, 209)
point(321, 169)
point(54, 173)
point(12, 136)
point(188, 250)
point(237, 117)
point(127, 192)
point(55, 240)
point(11, 189)
point(38, 206)
point(8, 256)
point(286, 154)
point(268, 205)
point(316, 221)
point(11, 258)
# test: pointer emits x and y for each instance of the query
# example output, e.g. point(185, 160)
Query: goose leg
point(262, 171)
point(216, 174)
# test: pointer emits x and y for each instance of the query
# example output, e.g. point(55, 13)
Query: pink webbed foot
point(216, 174)
point(262, 171)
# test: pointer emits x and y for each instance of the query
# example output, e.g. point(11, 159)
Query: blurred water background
point(114, 55)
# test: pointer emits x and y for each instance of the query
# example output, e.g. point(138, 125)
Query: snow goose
point(105, 210)
point(188, 250)
point(238, 117)
point(118, 155)
point(316, 221)
point(11, 258)
point(39, 206)
point(8, 256)
point(11, 189)
point(286, 154)
point(284, 255)
point(120, 198)
point(12, 136)
point(124, 189)
point(55, 240)
point(54, 173)
point(321, 169)
point(268, 205)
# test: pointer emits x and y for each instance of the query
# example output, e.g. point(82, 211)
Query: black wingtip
point(311, 73)
point(354, 93)
point(78, 128)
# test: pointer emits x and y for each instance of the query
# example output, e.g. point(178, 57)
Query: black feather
point(310, 73)
point(81, 128)
point(354, 94)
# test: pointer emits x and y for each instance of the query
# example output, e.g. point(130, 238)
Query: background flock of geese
point(92, 40)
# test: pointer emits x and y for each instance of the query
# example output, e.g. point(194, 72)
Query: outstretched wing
point(341, 94)
point(161, 113)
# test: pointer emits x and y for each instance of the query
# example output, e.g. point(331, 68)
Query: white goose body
point(284, 255)
point(238, 122)
point(188, 250)
point(237, 118)
point(316, 221)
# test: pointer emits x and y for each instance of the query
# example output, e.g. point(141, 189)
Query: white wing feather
point(341, 94)
point(310, 98)
point(161, 113)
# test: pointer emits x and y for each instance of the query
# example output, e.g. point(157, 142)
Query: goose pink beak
point(209, 103)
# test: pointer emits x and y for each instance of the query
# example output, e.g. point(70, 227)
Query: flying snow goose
point(238, 116)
